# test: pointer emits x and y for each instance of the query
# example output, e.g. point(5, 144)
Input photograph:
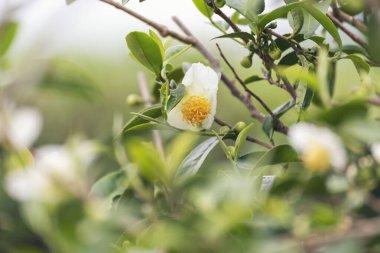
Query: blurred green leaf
point(8, 31)
point(360, 64)
point(145, 50)
point(110, 186)
point(278, 155)
point(252, 79)
point(193, 161)
point(204, 8)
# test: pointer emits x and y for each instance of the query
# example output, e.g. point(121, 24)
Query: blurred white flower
point(376, 151)
point(57, 169)
point(319, 147)
point(197, 108)
point(20, 127)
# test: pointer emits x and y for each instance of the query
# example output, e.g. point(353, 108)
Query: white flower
point(197, 108)
point(20, 127)
point(376, 151)
point(57, 169)
point(319, 147)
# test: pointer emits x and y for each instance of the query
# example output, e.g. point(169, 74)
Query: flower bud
point(220, 3)
point(274, 52)
point(134, 100)
point(239, 126)
point(224, 130)
point(231, 151)
point(272, 25)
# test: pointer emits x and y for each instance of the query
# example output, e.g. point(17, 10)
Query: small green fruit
point(275, 53)
point(246, 62)
point(240, 126)
point(351, 7)
point(220, 3)
point(224, 130)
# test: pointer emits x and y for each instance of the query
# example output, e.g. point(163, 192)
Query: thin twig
point(148, 102)
point(249, 138)
point(277, 122)
point(353, 36)
point(358, 24)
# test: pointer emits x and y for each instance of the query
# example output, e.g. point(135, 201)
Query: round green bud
point(220, 3)
point(272, 25)
point(231, 151)
point(134, 100)
point(275, 53)
point(251, 46)
point(224, 130)
point(246, 62)
point(239, 126)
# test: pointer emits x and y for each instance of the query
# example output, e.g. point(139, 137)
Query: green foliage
point(8, 31)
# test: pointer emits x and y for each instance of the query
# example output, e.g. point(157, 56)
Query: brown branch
point(249, 138)
point(353, 36)
point(278, 124)
point(358, 24)
point(163, 30)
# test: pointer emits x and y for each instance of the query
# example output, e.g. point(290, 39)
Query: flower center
point(195, 110)
point(317, 158)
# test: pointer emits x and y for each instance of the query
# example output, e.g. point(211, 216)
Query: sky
point(51, 27)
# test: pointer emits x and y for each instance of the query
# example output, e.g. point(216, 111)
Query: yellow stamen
point(317, 158)
point(195, 110)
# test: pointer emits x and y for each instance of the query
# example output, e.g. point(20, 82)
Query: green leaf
point(158, 41)
point(70, 1)
point(295, 17)
point(193, 161)
point(248, 8)
point(241, 138)
point(280, 12)
point(145, 50)
point(110, 186)
point(8, 32)
point(374, 38)
point(278, 155)
point(175, 51)
point(325, 22)
point(175, 97)
point(310, 24)
point(252, 79)
point(153, 111)
point(238, 35)
point(202, 6)
point(331, 76)
point(249, 161)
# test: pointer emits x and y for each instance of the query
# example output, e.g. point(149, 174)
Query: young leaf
point(145, 50)
point(252, 79)
point(280, 12)
point(193, 161)
point(310, 23)
point(175, 97)
point(8, 32)
point(153, 111)
point(173, 52)
point(204, 8)
point(158, 41)
point(241, 138)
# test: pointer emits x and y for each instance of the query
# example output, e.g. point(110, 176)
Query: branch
point(353, 36)
point(358, 24)
point(163, 30)
point(278, 124)
point(249, 138)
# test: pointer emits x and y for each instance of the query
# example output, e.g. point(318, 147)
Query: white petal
point(24, 127)
point(26, 185)
point(201, 79)
point(376, 151)
point(57, 162)
point(303, 136)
